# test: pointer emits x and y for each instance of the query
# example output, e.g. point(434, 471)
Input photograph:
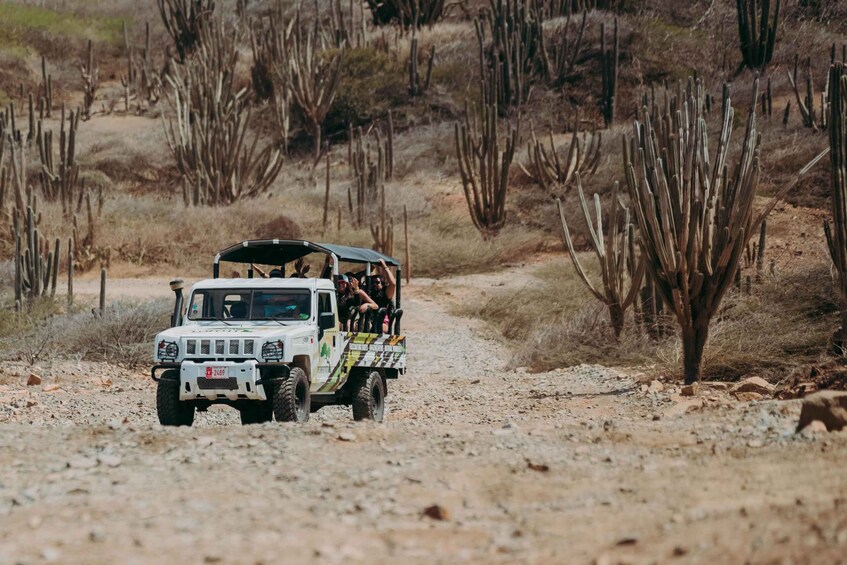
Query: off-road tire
point(171, 410)
point(369, 397)
point(291, 398)
point(256, 412)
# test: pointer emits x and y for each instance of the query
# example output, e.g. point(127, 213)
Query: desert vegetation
point(159, 134)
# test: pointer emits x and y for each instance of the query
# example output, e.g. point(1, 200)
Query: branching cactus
point(836, 232)
point(90, 81)
point(694, 209)
point(757, 31)
point(614, 254)
point(184, 21)
point(407, 13)
point(559, 59)
point(547, 168)
point(314, 75)
point(35, 265)
point(514, 54)
point(485, 168)
point(59, 180)
point(208, 135)
point(610, 60)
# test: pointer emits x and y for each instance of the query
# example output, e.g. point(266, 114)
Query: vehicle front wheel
point(369, 397)
point(256, 412)
point(291, 398)
point(171, 410)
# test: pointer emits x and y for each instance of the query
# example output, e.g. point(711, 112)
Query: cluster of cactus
point(514, 53)
point(208, 135)
point(836, 232)
point(383, 232)
point(90, 75)
point(547, 168)
point(45, 90)
point(270, 43)
point(484, 167)
point(757, 32)
point(313, 73)
point(184, 21)
point(407, 13)
point(59, 180)
point(806, 100)
point(299, 65)
point(609, 58)
point(621, 272)
point(36, 266)
point(559, 61)
point(693, 229)
point(140, 81)
point(369, 173)
point(416, 88)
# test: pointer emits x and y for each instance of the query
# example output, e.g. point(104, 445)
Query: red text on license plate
point(215, 372)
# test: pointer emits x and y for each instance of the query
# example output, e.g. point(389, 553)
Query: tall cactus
point(694, 211)
point(836, 233)
point(613, 252)
point(609, 59)
point(485, 168)
point(35, 265)
point(184, 21)
point(314, 75)
point(208, 135)
point(757, 32)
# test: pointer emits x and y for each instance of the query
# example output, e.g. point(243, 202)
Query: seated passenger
point(383, 289)
point(351, 296)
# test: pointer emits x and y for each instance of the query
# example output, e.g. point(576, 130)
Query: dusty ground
point(577, 466)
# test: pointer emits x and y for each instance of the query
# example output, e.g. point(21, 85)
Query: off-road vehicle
point(273, 347)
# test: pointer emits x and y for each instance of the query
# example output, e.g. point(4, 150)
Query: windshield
point(250, 304)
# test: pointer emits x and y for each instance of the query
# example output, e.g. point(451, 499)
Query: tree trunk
point(317, 134)
point(616, 314)
point(693, 343)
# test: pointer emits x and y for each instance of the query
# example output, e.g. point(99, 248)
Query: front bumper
point(219, 380)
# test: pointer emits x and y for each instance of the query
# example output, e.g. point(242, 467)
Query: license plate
point(215, 372)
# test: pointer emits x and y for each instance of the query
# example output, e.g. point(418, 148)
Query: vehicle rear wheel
point(291, 398)
point(369, 397)
point(256, 412)
point(171, 410)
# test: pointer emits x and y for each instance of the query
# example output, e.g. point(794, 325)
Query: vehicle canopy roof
point(274, 283)
point(282, 251)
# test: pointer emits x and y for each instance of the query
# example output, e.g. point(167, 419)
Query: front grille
point(219, 348)
point(218, 384)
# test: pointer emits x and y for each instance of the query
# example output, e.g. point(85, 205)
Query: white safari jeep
point(274, 347)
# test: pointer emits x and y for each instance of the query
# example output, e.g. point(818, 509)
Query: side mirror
point(326, 321)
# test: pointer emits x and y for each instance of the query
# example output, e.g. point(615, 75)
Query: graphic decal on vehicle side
point(367, 350)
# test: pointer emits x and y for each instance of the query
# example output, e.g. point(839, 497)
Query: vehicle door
point(330, 342)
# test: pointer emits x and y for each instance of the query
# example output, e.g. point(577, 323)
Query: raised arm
point(391, 287)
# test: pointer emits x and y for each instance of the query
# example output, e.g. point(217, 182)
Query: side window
point(196, 310)
point(324, 303)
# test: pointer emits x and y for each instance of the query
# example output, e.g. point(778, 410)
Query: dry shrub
point(553, 322)
point(123, 336)
point(786, 322)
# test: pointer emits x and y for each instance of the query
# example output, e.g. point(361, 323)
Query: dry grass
point(785, 323)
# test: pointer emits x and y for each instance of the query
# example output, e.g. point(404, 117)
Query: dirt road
point(477, 462)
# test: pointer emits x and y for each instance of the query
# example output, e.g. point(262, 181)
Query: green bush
point(372, 83)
